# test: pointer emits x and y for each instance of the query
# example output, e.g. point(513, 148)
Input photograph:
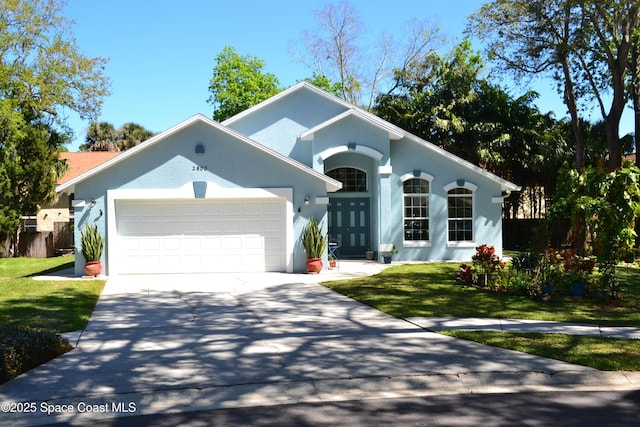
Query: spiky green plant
point(313, 240)
point(92, 243)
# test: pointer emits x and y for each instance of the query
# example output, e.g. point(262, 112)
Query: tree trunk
point(572, 106)
point(613, 143)
point(635, 95)
point(580, 223)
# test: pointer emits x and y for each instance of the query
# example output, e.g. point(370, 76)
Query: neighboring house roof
point(331, 184)
point(630, 158)
point(81, 162)
point(395, 132)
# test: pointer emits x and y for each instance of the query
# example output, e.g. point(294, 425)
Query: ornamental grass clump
point(313, 240)
point(92, 243)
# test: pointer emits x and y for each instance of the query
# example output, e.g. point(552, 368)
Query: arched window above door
point(353, 180)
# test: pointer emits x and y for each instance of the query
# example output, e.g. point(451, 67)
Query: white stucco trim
point(385, 170)
point(416, 243)
point(362, 149)
point(186, 192)
point(423, 175)
point(500, 199)
point(465, 244)
point(468, 185)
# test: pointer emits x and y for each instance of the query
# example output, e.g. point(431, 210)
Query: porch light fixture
point(199, 149)
point(306, 200)
point(92, 204)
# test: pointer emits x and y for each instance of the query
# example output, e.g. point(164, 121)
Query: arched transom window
point(353, 180)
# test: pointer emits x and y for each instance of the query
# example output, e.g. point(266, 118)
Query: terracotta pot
point(93, 268)
point(314, 265)
point(332, 263)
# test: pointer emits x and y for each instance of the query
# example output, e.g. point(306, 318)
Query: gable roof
point(81, 162)
point(287, 92)
point(395, 132)
point(68, 186)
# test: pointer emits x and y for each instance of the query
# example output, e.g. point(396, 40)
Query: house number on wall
point(199, 167)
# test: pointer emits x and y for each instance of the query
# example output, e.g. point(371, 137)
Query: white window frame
point(425, 177)
point(471, 187)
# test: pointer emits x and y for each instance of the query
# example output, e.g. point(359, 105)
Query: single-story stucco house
point(235, 196)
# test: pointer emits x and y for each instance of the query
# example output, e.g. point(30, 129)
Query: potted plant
point(369, 253)
point(92, 246)
point(550, 270)
point(314, 243)
point(332, 261)
point(577, 269)
point(388, 254)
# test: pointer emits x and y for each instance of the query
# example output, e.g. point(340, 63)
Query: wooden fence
point(519, 234)
point(46, 244)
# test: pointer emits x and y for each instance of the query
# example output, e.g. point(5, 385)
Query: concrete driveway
point(186, 342)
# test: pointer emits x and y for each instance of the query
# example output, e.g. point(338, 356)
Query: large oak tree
point(43, 77)
point(585, 45)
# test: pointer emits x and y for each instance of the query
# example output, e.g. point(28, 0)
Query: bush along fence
point(537, 276)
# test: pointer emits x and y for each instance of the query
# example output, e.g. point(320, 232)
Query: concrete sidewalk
point(515, 325)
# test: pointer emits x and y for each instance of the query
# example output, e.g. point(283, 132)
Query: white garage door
point(199, 236)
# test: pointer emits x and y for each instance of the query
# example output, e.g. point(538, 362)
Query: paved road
point(185, 343)
point(580, 409)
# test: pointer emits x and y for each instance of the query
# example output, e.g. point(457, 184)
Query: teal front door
point(349, 225)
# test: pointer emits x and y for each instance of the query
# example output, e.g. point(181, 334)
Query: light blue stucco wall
point(227, 163)
point(278, 124)
point(386, 191)
point(407, 157)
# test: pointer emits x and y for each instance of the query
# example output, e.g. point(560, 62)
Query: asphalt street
point(567, 409)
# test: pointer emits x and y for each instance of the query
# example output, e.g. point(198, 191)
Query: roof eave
point(69, 186)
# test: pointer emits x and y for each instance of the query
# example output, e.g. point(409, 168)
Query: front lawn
point(429, 290)
point(33, 312)
point(58, 305)
point(605, 354)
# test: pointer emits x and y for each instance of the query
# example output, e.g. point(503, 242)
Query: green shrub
point(24, 348)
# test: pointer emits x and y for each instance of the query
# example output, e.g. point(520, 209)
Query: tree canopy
point(445, 100)
point(42, 77)
point(585, 45)
point(239, 82)
point(103, 136)
point(356, 66)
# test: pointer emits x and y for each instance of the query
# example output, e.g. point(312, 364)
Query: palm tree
point(133, 134)
point(101, 136)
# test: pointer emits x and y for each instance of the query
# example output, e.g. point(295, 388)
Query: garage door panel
point(254, 225)
point(232, 209)
point(233, 226)
point(171, 244)
point(201, 236)
point(211, 226)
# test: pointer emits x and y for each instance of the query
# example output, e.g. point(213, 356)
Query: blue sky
point(161, 53)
